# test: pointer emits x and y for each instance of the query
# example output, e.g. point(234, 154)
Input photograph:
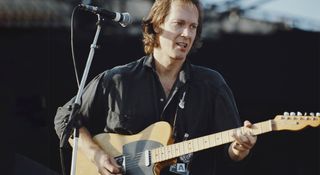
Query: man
point(163, 85)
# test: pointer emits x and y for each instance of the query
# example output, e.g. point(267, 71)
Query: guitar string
point(135, 159)
point(138, 155)
point(133, 163)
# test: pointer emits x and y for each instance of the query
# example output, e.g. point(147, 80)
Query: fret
point(257, 129)
point(195, 145)
point(190, 146)
point(212, 140)
point(156, 157)
point(153, 155)
point(260, 129)
point(181, 146)
point(264, 127)
point(166, 150)
point(159, 154)
point(162, 154)
point(206, 142)
point(185, 146)
point(169, 151)
point(230, 132)
point(181, 150)
point(269, 124)
point(199, 143)
point(177, 150)
point(218, 139)
point(224, 137)
point(174, 150)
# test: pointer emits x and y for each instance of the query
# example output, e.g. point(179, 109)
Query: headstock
point(295, 121)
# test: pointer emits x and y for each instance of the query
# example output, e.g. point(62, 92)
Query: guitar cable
point(62, 151)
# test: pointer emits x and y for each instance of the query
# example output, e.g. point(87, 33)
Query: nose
point(187, 32)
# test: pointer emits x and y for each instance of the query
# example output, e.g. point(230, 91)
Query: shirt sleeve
point(90, 114)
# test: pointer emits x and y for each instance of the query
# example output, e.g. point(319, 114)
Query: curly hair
point(159, 11)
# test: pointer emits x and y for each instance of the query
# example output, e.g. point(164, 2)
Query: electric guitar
point(150, 150)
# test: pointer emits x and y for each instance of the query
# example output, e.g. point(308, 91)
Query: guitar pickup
point(147, 158)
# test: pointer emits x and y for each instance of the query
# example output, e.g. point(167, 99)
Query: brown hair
point(159, 11)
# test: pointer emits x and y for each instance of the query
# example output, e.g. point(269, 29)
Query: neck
point(168, 67)
point(167, 70)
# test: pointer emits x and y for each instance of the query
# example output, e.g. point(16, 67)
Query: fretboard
point(178, 149)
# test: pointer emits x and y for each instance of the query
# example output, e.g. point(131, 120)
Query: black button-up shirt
point(128, 98)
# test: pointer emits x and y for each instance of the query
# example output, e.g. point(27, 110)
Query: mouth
point(182, 45)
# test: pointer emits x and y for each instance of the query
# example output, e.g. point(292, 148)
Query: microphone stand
point(74, 120)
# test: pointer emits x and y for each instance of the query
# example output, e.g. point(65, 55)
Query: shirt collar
point(184, 74)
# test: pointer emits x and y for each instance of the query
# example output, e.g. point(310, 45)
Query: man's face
point(178, 30)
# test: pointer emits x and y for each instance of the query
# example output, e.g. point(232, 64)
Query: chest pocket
point(126, 124)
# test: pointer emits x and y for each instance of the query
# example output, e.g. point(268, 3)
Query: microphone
point(123, 18)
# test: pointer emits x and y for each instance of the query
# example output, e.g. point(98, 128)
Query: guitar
point(148, 151)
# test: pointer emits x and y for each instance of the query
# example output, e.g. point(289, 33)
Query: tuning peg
point(318, 114)
point(286, 113)
point(292, 114)
point(299, 113)
point(311, 114)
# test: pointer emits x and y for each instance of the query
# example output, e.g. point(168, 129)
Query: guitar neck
point(178, 149)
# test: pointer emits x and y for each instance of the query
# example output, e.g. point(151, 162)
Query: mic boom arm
point(123, 19)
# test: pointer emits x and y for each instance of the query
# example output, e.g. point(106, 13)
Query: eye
point(179, 23)
point(194, 26)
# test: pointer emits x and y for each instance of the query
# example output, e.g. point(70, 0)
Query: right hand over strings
point(106, 164)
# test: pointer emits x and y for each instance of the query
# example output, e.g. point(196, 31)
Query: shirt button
point(161, 99)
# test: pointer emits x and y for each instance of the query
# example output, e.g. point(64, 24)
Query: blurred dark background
point(271, 68)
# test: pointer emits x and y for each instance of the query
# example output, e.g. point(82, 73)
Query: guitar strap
point(182, 165)
point(178, 112)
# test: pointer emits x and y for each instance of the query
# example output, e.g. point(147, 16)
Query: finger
point(111, 168)
point(247, 123)
point(248, 132)
point(243, 141)
point(239, 147)
point(113, 173)
point(114, 163)
point(239, 136)
point(104, 171)
point(252, 139)
point(245, 146)
point(248, 140)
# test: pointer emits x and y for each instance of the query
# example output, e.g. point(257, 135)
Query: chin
point(179, 57)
